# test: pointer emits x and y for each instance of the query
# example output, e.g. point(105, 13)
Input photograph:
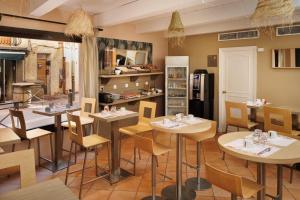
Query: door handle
point(224, 92)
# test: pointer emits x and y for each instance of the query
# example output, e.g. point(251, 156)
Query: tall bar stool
point(88, 106)
point(143, 125)
point(88, 142)
point(238, 186)
point(237, 116)
point(198, 183)
point(155, 149)
point(278, 119)
point(30, 135)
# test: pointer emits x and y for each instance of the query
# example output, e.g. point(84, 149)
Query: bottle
point(70, 97)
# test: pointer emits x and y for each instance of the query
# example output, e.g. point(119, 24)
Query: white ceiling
point(198, 16)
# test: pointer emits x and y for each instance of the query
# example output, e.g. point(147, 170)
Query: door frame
point(222, 112)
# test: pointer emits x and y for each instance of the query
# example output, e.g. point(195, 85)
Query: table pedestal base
point(194, 184)
point(151, 198)
point(54, 167)
point(169, 193)
point(123, 175)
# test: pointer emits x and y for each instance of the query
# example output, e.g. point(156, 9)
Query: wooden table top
point(202, 126)
point(112, 119)
point(47, 190)
point(59, 111)
point(286, 155)
point(8, 137)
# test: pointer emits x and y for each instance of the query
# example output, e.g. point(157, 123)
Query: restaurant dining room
point(149, 99)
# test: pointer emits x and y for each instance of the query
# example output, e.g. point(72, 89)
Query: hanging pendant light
point(176, 30)
point(269, 12)
point(80, 24)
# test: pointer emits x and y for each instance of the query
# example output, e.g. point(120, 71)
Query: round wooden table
point(203, 125)
point(286, 155)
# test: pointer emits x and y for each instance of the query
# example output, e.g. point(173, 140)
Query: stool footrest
point(191, 166)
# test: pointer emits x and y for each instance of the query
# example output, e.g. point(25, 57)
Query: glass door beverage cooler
point(176, 83)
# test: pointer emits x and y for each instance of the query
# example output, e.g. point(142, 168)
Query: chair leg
point(29, 144)
point(185, 152)
point(69, 162)
point(134, 160)
point(165, 174)
point(13, 147)
point(82, 173)
point(226, 130)
point(198, 153)
point(154, 159)
point(247, 163)
point(291, 174)
point(96, 162)
point(108, 157)
point(51, 147)
point(233, 197)
point(75, 153)
point(39, 151)
point(223, 155)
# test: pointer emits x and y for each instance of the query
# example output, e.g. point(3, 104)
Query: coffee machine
point(201, 94)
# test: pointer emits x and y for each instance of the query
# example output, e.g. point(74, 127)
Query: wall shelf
point(129, 75)
point(121, 101)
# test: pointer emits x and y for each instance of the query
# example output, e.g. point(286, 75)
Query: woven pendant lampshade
point(80, 24)
point(268, 12)
point(176, 30)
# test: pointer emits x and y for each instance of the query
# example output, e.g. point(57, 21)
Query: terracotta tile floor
point(140, 185)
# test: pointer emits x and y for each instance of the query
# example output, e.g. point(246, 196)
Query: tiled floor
point(140, 185)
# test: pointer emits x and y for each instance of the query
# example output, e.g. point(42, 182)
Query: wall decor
point(212, 60)
point(104, 43)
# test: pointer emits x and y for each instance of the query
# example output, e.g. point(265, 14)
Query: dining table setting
point(263, 148)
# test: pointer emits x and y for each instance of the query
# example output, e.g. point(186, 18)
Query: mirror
point(286, 58)
point(131, 57)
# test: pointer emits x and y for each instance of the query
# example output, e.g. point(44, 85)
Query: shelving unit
point(176, 81)
point(121, 101)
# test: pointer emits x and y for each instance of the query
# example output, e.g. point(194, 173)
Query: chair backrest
point(75, 128)
point(277, 119)
point(25, 161)
point(227, 181)
point(18, 117)
point(143, 143)
point(88, 106)
point(144, 106)
point(236, 114)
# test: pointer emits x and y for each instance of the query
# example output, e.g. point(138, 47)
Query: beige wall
point(279, 86)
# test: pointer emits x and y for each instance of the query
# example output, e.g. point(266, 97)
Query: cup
point(122, 108)
point(272, 134)
point(113, 109)
point(166, 121)
point(48, 109)
point(106, 108)
point(190, 116)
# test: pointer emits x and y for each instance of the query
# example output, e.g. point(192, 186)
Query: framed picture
point(212, 60)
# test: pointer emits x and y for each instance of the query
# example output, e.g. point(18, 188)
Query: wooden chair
point(240, 121)
point(88, 142)
point(88, 106)
point(30, 135)
point(143, 125)
point(155, 149)
point(197, 183)
point(280, 120)
point(238, 186)
point(25, 161)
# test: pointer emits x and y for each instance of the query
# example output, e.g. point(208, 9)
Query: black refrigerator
point(201, 94)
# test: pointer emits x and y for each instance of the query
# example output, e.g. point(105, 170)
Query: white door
point(237, 77)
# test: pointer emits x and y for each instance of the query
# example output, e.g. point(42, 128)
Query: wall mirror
point(286, 58)
point(131, 57)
